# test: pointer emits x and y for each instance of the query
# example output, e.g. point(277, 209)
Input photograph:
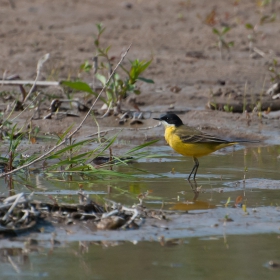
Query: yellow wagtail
point(189, 141)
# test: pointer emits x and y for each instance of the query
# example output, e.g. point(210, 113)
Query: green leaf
point(62, 136)
point(100, 28)
point(149, 81)
point(216, 31)
point(96, 42)
point(145, 65)
point(65, 162)
point(36, 130)
point(130, 87)
point(273, 17)
point(86, 66)
point(141, 147)
point(214, 105)
point(3, 159)
point(109, 144)
point(101, 78)
point(85, 167)
point(70, 147)
point(138, 67)
point(137, 91)
point(225, 30)
point(81, 86)
point(228, 201)
point(110, 94)
point(127, 72)
point(226, 108)
point(107, 50)
point(249, 26)
point(264, 19)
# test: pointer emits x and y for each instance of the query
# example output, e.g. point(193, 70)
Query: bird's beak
point(158, 119)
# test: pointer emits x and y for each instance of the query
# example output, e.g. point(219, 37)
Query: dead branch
point(136, 213)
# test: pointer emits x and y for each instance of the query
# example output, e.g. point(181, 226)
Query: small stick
point(24, 217)
point(5, 206)
point(20, 195)
point(260, 52)
point(92, 214)
point(40, 63)
point(122, 128)
point(26, 82)
point(15, 267)
point(11, 199)
point(112, 213)
point(26, 107)
point(132, 218)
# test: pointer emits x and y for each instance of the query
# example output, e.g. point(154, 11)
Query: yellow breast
point(190, 149)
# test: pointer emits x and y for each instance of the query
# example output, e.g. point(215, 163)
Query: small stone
point(113, 222)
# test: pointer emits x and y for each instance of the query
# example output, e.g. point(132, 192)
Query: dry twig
point(40, 63)
point(122, 128)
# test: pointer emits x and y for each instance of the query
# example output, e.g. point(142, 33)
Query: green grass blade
point(141, 147)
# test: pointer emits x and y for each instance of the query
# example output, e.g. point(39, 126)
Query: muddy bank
point(200, 223)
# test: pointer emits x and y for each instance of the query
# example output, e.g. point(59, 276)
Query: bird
point(191, 142)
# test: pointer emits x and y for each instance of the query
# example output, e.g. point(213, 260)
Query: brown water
point(205, 248)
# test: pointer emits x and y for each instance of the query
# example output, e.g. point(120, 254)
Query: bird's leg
point(191, 173)
point(194, 170)
point(196, 165)
point(196, 194)
point(194, 189)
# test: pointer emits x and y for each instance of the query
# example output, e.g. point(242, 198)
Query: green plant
point(74, 159)
point(228, 108)
point(252, 36)
point(81, 86)
point(222, 43)
point(118, 87)
point(263, 19)
point(269, 16)
point(70, 159)
point(274, 69)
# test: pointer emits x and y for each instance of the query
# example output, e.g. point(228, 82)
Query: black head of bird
point(170, 119)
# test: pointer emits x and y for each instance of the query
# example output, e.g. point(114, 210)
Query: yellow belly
point(191, 149)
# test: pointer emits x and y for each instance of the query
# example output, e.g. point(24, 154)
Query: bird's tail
point(247, 141)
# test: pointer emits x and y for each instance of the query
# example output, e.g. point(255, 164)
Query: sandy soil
point(177, 35)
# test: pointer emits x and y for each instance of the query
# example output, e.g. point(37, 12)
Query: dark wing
point(191, 135)
point(202, 138)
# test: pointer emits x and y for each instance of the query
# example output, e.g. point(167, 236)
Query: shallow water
point(207, 248)
point(232, 257)
point(220, 175)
